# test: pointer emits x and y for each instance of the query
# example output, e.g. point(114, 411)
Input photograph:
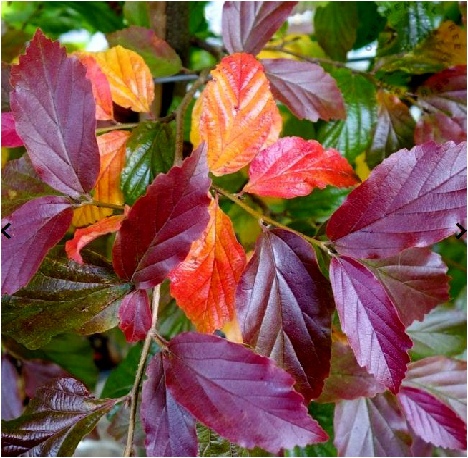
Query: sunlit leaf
point(10, 137)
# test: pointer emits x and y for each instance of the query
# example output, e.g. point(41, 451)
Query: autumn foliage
point(307, 313)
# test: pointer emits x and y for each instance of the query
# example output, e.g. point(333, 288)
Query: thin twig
point(120, 126)
point(140, 370)
point(98, 203)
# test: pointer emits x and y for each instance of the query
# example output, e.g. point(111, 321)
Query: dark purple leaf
point(284, 307)
point(431, 419)
point(347, 379)
point(412, 199)
point(370, 321)
point(6, 86)
point(242, 396)
point(305, 88)
point(135, 315)
point(34, 229)
point(54, 109)
point(37, 373)
point(415, 281)
point(10, 137)
point(247, 26)
point(371, 427)
point(170, 429)
point(12, 404)
point(160, 228)
point(54, 421)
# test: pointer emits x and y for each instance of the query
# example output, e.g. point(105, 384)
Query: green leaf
point(370, 24)
point(351, 136)
point(335, 28)
point(198, 25)
point(63, 296)
point(150, 151)
point(136, 13)
point(172, 321)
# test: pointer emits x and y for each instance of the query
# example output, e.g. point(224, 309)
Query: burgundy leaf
point(12, 403)
point(237, 393)
point(54, 421)
point(160, 228)
point(415, 280)
point(368, 318)
point(170, 429)
point(284, 307)
point(37, 373)
point(135, 315)
point(10, 137)
point(371, 427)
point(247, 26)
point(347, 379)
point(54, 109)
point(33, 229)
point(444, 378)
point(412, 199)
point(432, 420)
point(305, 88)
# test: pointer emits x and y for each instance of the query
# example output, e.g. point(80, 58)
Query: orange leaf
point(130, 79)
point(294, 167)
point(100, 85)
point(239, 115)
point(83, 236)
point(204, 285)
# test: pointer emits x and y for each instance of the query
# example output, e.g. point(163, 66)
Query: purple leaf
point(160, 228)
point(412, 199)
point(37, 373)
point(10, 137)
point(347, 379)
point(368, 318)
point(415, 281)
point(54, 109)
point(432, 420)
point(371, 427)
point(305, 88)
point(284, 307)
point(170, 429)
point(54, 421)
point(34, 229)
point(135, 315)
point(12, 403)
point(242, 396)
point(247, 26)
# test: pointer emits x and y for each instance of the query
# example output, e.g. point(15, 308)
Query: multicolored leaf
point(61, 142)
point(160, 228)
point(284, 308)
point(129, 77)
point(305, 88)
point(239, 115)
point(170, 429)
point(135, 315)
point(240, 395)
point(34, 229)
point(247, 26)
point(54, 421)
point(161, 59)
point(370, 321)
point(204, 284)
point(293, 167)
point(10, 137)
point(412, 199)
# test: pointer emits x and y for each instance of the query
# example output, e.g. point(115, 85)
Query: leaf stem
point(180, 113)
point(119, 126)
point(98, 203)
point(267, 219)
point(140, 370)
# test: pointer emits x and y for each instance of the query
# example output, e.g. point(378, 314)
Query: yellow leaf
point(195, 124)
point(299, 44)
point(362, 169)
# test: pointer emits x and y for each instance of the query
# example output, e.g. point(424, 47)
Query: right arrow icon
point(463, 230)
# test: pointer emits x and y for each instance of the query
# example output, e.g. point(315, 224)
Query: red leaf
point(160, 228)
point(135, 315)
point(204, 284)
point(34, 229)
point(247, 26)
point(432, 420)
point(10, 137)
point(415, 281)
point(371, 427)
point(170, 429)
point(54, 110)
point(412, 199)
point(305, 88)
point(284, 308)
point(293, 167)
point(368, 318)
point(240, 395)
point(347, 379)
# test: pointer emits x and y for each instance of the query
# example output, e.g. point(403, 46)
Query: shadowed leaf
point(135, 315)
